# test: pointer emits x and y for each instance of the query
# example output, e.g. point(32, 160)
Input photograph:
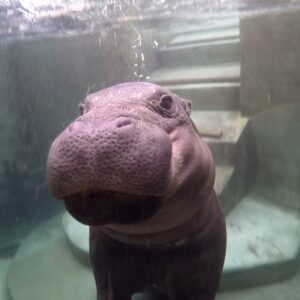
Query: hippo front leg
point(190, 272)
point(119, 271)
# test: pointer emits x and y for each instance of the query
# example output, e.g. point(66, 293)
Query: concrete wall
point(52, 75)
point(268, 159)
point(46, 78)
point(270, 60)
point(6, 121)
point(42, 81)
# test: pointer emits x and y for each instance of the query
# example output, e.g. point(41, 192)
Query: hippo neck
point(162, 235)
point(187, 210)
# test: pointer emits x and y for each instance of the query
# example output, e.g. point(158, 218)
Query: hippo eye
point(165, 105)
point(166, 102)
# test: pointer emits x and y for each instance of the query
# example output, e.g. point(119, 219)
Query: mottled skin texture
point(135, 169)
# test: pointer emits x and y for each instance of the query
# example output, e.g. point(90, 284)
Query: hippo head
point(130, 149)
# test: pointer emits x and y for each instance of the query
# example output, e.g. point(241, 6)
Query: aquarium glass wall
point(234, 66)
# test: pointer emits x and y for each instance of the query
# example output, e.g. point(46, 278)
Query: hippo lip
point(111, 207)
point(120, 197)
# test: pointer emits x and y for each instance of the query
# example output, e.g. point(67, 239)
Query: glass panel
point(205, 130)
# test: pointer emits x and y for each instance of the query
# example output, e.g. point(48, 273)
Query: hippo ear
point(187, 105)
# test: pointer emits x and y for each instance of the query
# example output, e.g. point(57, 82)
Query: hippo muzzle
point(118, 152)
point(123, 159)
point(110, 156)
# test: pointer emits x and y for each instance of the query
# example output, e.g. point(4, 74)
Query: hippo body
point(133, 167)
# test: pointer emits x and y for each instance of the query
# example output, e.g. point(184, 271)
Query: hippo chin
point(134, 168)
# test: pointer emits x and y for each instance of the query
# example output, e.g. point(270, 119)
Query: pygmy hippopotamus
point(133, 167)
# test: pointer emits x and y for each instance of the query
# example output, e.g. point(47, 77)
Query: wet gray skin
point(134, 168)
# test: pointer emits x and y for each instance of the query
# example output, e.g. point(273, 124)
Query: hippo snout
point(124, 155)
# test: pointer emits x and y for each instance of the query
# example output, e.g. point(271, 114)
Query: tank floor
point(47, 251)
point(288, 289)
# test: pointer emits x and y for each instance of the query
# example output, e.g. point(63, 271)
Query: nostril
point(71, 127)
point(123, 123)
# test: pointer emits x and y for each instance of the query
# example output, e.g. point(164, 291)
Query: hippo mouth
point(107, 207)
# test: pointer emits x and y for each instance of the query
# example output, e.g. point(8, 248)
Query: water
point(26, 18)
point(238, 63)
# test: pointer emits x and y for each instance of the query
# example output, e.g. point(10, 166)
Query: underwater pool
point(210, 118)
